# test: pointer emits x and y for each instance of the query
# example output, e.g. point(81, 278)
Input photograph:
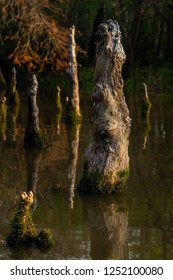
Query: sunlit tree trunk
point(73, 108)
point(106, 162)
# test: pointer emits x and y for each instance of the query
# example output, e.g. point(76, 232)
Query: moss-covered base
point(97, 183)
point(146, 107)
point(72, 117)
point(23, 232)
point(34, 140)
point(22, 227)
point(14, 98)
point(45, 239)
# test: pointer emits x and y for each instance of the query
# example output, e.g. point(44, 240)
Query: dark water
point(136, 224)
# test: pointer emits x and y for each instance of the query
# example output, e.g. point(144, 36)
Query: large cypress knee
point(106, 163)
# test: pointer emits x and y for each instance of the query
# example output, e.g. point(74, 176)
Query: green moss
point(58, 118)
point(72, 117)
point(96, 182)
point(3, 111)
point(34, 140)
point(45, 239)
point(23, 232)
point(3, 119)
point(146, 107)
point(14, 98)
point(58, 105)
point(22, 228)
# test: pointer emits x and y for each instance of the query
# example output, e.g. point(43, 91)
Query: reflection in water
point(32, 160)
point(107, 219)
point(73, 135)
point(149, 192)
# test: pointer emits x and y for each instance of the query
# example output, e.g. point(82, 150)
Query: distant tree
point(35, 31)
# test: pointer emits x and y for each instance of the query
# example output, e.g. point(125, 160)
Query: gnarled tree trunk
point(106, 162)
point(73, 109)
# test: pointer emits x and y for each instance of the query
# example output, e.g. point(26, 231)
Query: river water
point(135, 224)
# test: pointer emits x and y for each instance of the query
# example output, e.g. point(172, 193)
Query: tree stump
point(22, 227)
point(33, 136)
point(73, 107)
point(106, 163)
point(23, 232)
point(14, 95)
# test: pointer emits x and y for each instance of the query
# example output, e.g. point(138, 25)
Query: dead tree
point(106, 162)
point(73, 108)
point(14, 95)
point(33, 135)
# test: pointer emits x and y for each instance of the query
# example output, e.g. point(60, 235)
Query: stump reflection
point(107, 220)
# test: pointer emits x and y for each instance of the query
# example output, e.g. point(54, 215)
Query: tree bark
point(106, 161)
point(33, 136)
point(73, 108)
point(14, 96)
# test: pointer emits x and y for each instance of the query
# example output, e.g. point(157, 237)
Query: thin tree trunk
point(33, 137)
point(73, 108)
point(106, 161)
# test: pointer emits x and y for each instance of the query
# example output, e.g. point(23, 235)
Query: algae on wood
point(3, 118)
point(23, 231)
point(106, 162)
point(22, 227)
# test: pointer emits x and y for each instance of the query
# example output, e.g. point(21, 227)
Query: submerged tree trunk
point(106, 161)
point(33, 136)
point(73, 108)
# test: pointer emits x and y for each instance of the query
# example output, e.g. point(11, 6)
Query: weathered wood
point(106, 162)
point(14, 95)
point(33, 136)
point(145, 114)
point(73, 108)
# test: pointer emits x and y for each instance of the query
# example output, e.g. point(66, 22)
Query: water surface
point(136, 224)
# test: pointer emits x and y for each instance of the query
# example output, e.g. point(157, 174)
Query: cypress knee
point(106, 162)
point(33, 135)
